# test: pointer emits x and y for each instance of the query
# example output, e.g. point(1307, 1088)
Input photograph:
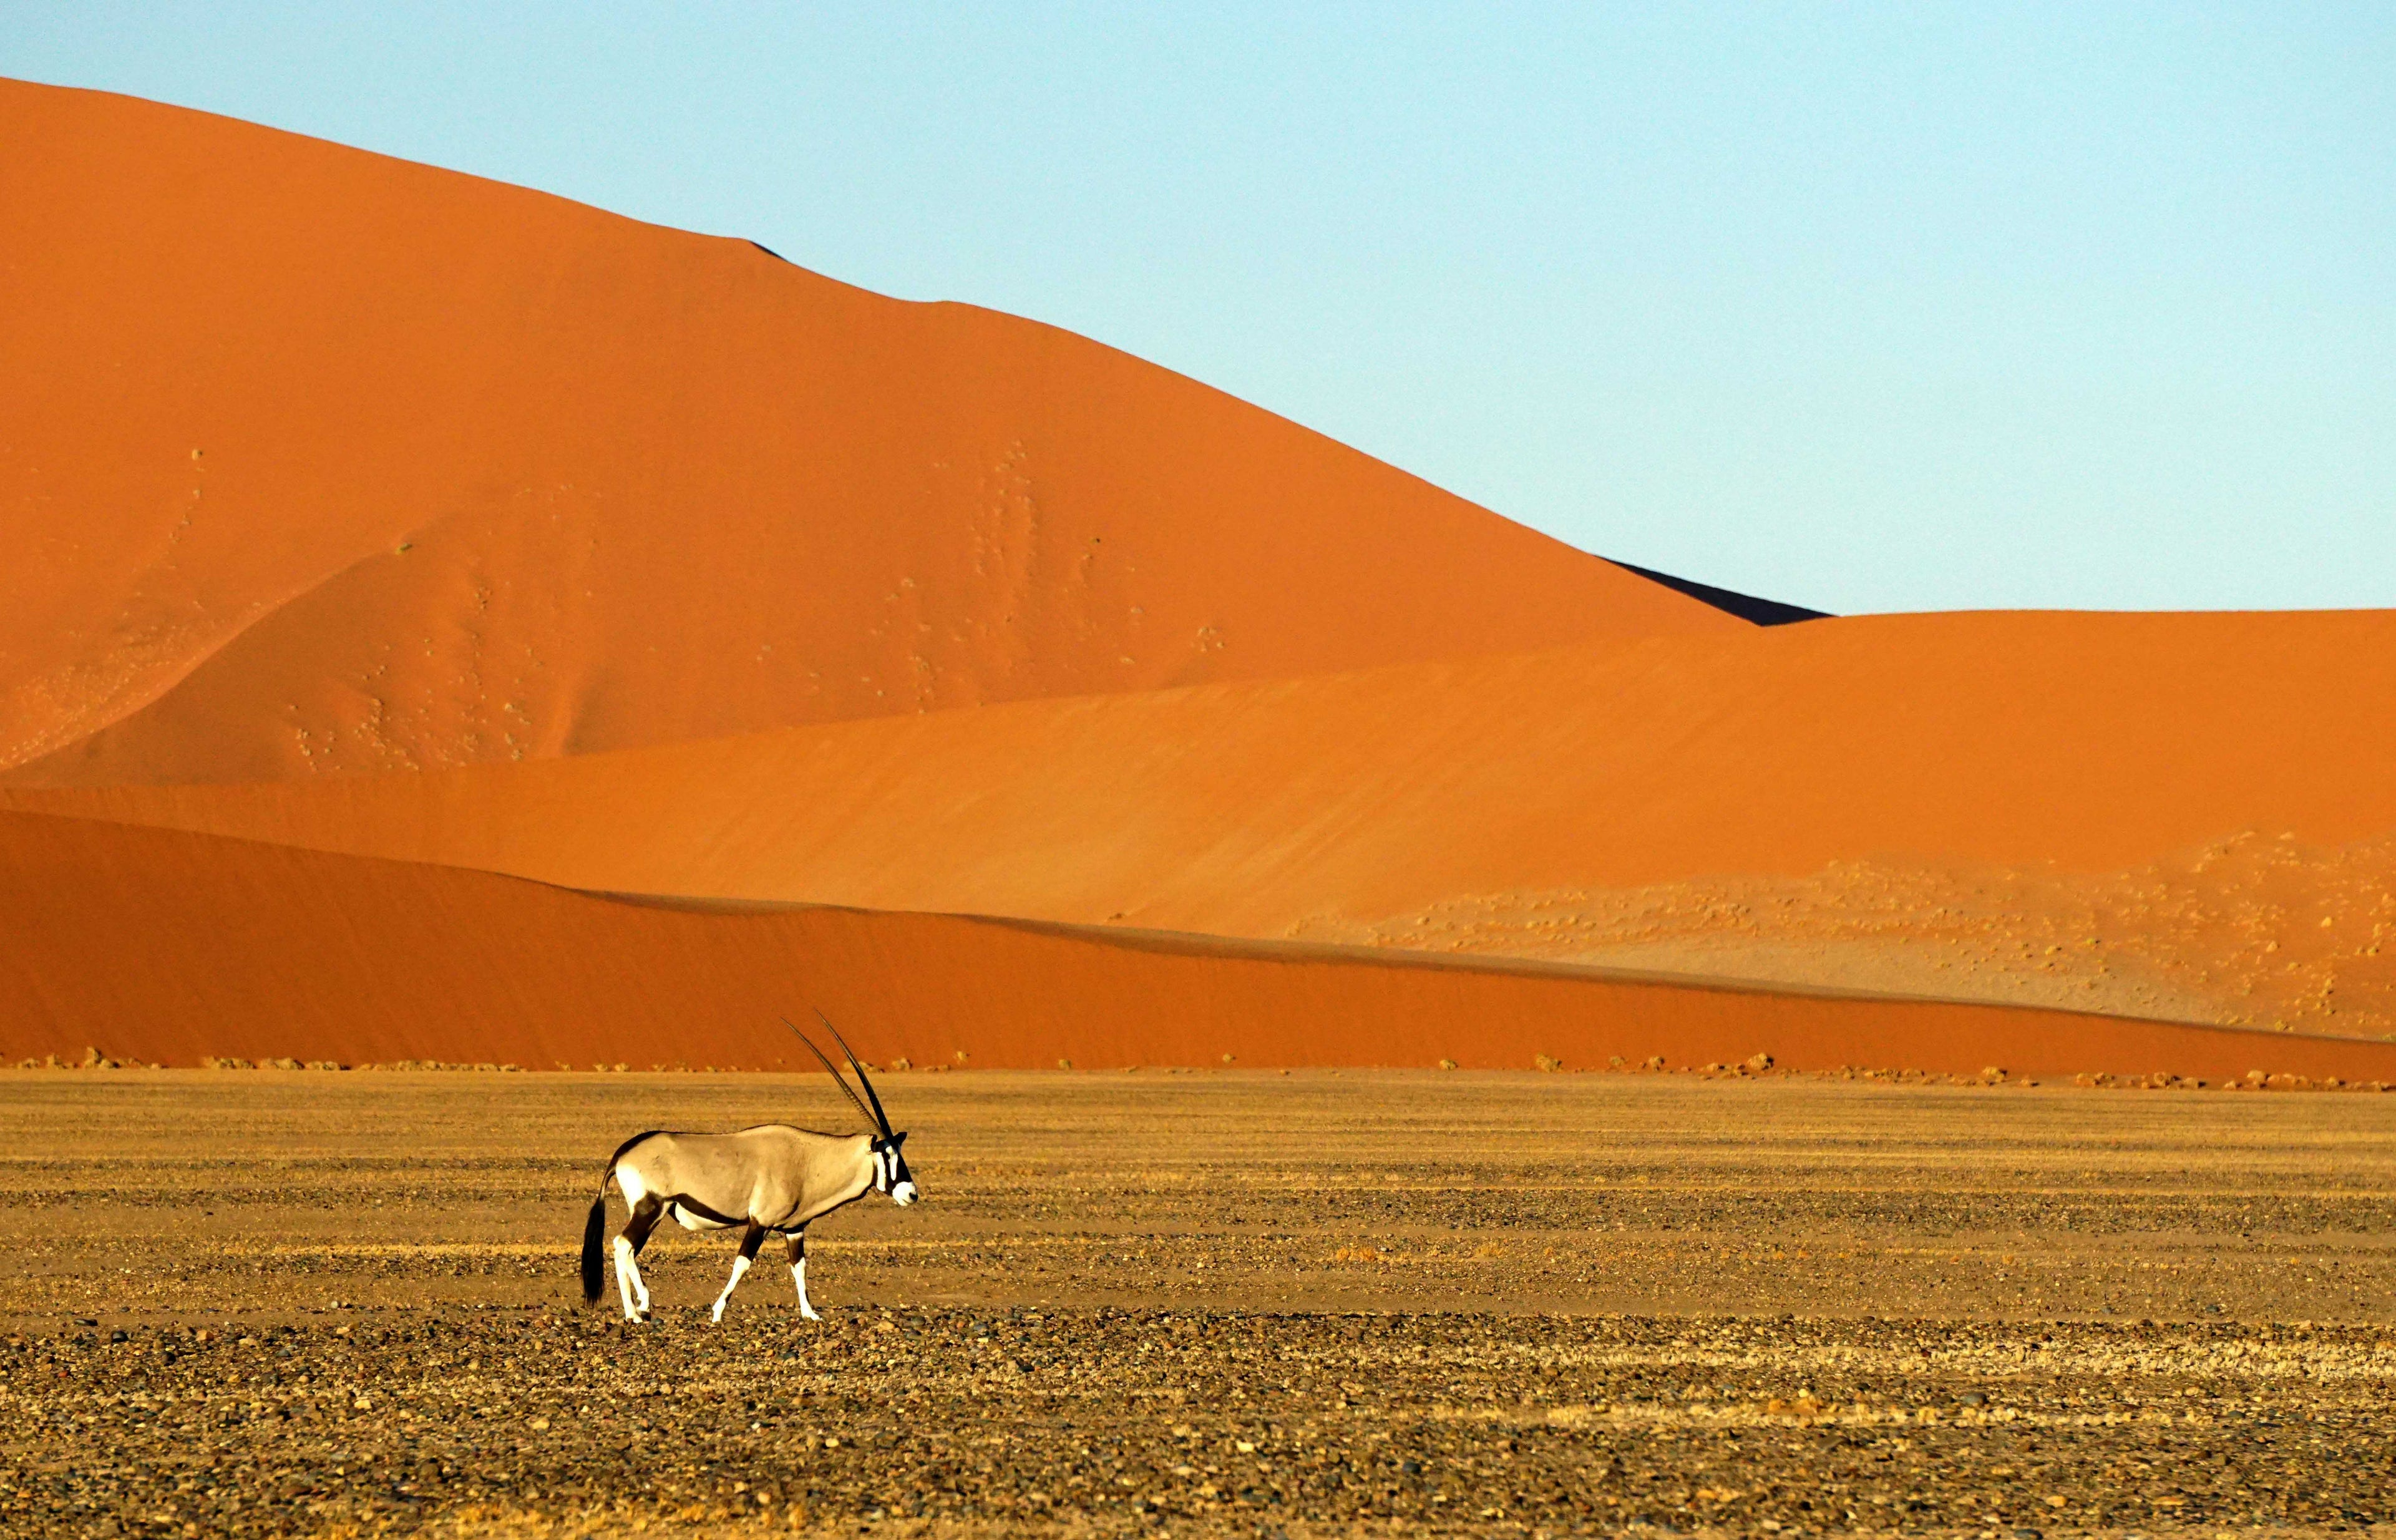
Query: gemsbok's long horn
point(838, 1079)
point(879, 1115)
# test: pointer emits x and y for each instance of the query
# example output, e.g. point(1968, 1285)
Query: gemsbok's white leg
point(739, 1265)
point(799, 1274)
point(749, 1242)
point(636, 1235)
point(634, 1287)
point(625, 1273)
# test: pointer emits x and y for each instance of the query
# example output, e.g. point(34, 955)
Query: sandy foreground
point(1298, 1303)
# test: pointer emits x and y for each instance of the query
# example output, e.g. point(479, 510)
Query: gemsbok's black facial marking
point(891, 1174)
point(771, 1178)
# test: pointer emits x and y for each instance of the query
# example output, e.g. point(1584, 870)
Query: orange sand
point(641, 561)
point(2247, 931)
point(1529, 798)
point(165, 945)
point(316, 459)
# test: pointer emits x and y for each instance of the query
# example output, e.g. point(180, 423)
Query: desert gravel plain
point(1323, 1302)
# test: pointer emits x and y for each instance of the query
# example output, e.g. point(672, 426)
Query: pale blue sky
point(1866, 307)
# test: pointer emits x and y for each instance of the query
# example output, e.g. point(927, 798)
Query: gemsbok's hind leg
point(799, 1273)
point(749, 1242)
point(629, 1241)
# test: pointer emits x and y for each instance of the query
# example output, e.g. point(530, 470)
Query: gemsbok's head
point(885, 1144)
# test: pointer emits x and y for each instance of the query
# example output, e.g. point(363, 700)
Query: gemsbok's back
point(771, 1179)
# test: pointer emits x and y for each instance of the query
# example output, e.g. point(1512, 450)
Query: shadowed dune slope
point(310, 458)
point(2088, 742)
point(163, 944)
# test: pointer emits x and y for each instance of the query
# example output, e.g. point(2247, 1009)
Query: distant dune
point(420, 534)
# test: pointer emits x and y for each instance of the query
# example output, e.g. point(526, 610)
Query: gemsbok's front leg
point(749, 1242)
point(799, 1273)
point(629, 1241)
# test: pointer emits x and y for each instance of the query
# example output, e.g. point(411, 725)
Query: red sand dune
point(2057, 809)
point(2250, 930)
point(2086, 743)
point(316, 459)
point(165, 946)
point(313, 461)
point(2091, 741)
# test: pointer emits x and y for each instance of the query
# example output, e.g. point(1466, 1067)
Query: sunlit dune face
point(1077, 521)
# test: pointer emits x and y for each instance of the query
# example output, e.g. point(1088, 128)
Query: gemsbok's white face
point(891, 1172)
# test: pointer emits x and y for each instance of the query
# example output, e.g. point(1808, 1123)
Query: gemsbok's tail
point(595, 1229)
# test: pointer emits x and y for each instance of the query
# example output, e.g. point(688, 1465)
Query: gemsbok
point(773, 1178)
